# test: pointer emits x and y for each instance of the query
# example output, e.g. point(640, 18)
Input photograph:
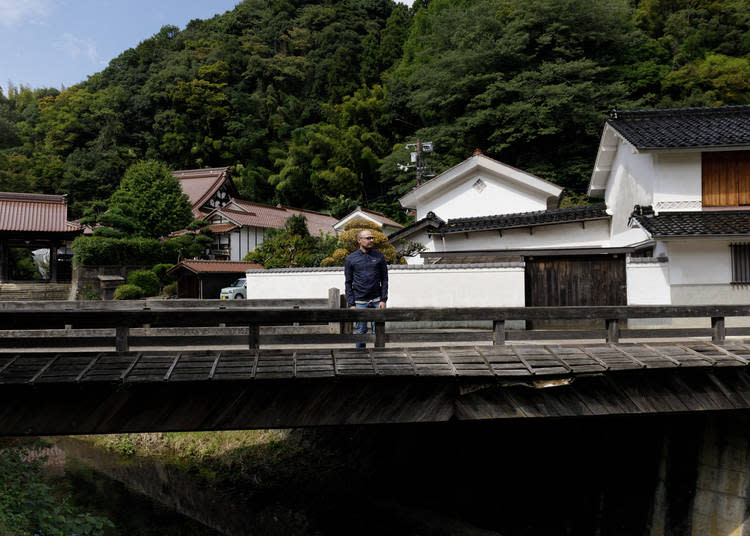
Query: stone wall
point(86, 282)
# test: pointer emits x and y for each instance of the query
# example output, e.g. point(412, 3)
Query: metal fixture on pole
point(418, 161)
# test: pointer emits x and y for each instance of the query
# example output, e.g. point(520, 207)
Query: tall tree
point(149, 202)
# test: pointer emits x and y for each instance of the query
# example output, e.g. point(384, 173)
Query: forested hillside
point(310, 103)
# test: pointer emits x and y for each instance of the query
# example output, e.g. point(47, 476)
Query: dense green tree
point(149, 203)
point(293, 246)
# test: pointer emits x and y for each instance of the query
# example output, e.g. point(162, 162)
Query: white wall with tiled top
point(488, 285)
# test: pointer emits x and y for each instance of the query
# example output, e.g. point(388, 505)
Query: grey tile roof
point(430, 220)
point(525, 219)
point(676, 224)
point(725, 126)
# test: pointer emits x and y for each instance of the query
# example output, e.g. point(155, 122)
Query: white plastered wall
point(631, 183)
point(497, 196)
point(588, 234)
point(700, 273)
point(496, 285)
point(678, 183)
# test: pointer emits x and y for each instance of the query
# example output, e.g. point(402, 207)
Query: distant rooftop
point(22, 212)
point(724, 126)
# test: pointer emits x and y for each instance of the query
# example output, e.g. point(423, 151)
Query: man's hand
point(381, 305)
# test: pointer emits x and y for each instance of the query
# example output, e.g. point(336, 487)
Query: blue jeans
point(361, 327)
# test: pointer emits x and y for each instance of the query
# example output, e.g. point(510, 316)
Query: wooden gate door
point(583, 280)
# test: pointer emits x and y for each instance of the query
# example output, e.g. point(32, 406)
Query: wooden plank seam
point(214, 365)
point(44, 368)
point(171, 368)
point(88, 367)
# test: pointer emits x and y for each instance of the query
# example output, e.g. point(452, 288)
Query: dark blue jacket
point(366, 276)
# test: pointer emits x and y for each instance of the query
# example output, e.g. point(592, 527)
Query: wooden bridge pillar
point(719, 332)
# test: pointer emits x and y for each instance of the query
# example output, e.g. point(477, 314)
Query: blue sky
point(54, 43)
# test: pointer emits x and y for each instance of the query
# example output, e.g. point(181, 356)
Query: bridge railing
point(215, 322)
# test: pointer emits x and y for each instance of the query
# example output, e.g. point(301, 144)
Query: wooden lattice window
point(740, 263)
point(726, 178)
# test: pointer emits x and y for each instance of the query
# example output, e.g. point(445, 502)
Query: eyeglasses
point(367, 237)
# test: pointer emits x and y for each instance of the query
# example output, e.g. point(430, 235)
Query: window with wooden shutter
point(726, 178)
point(740, 263)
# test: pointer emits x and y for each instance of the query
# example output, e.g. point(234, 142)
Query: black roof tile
point(676, 224)
point(725, 126)
point(525, 219)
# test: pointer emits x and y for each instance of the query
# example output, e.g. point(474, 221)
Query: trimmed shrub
point(128, 292)
point(171, 290)
point(146, 280)
point(161, 273)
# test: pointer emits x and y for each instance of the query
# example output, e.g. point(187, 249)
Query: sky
point(55, 43)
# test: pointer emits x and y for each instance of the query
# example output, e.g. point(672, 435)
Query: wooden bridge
point(52, 381)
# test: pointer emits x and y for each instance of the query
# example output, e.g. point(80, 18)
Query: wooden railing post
point(498, 332)
point(334, 302)
point(613, 330)
point(346, 327)
point(253, 336)
point(379, 334)
point(719, 331)
point(121, 338)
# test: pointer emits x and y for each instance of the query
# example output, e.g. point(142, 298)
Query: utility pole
point(418, 161)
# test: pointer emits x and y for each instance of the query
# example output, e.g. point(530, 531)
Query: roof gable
point(676, 129)
point(211, 186)
point(369, 215)
point(479, 163)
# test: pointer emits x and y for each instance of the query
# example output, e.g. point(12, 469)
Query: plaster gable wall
point(678, 183)
point(497, 197)
point(594, 234)
point(631, 183)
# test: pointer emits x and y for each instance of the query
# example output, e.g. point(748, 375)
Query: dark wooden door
point(582, 280)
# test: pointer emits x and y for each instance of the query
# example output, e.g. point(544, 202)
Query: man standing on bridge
point(366, 278)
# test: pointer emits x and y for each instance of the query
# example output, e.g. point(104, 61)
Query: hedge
point(96, 250)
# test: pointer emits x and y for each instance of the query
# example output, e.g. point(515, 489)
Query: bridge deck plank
point(515, 361)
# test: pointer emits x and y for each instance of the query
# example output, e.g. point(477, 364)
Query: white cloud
point(13, 12)
point(74, 47)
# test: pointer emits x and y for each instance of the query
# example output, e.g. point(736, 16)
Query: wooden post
point(121, 338)
point(719, 334)
point(53, 262)
point(379, 334)
point(498, 332)
point(253, 336)
point(613, 330)
point(346, 327)
point(334, 302)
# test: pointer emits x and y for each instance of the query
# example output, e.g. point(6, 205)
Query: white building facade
point(687, 174)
